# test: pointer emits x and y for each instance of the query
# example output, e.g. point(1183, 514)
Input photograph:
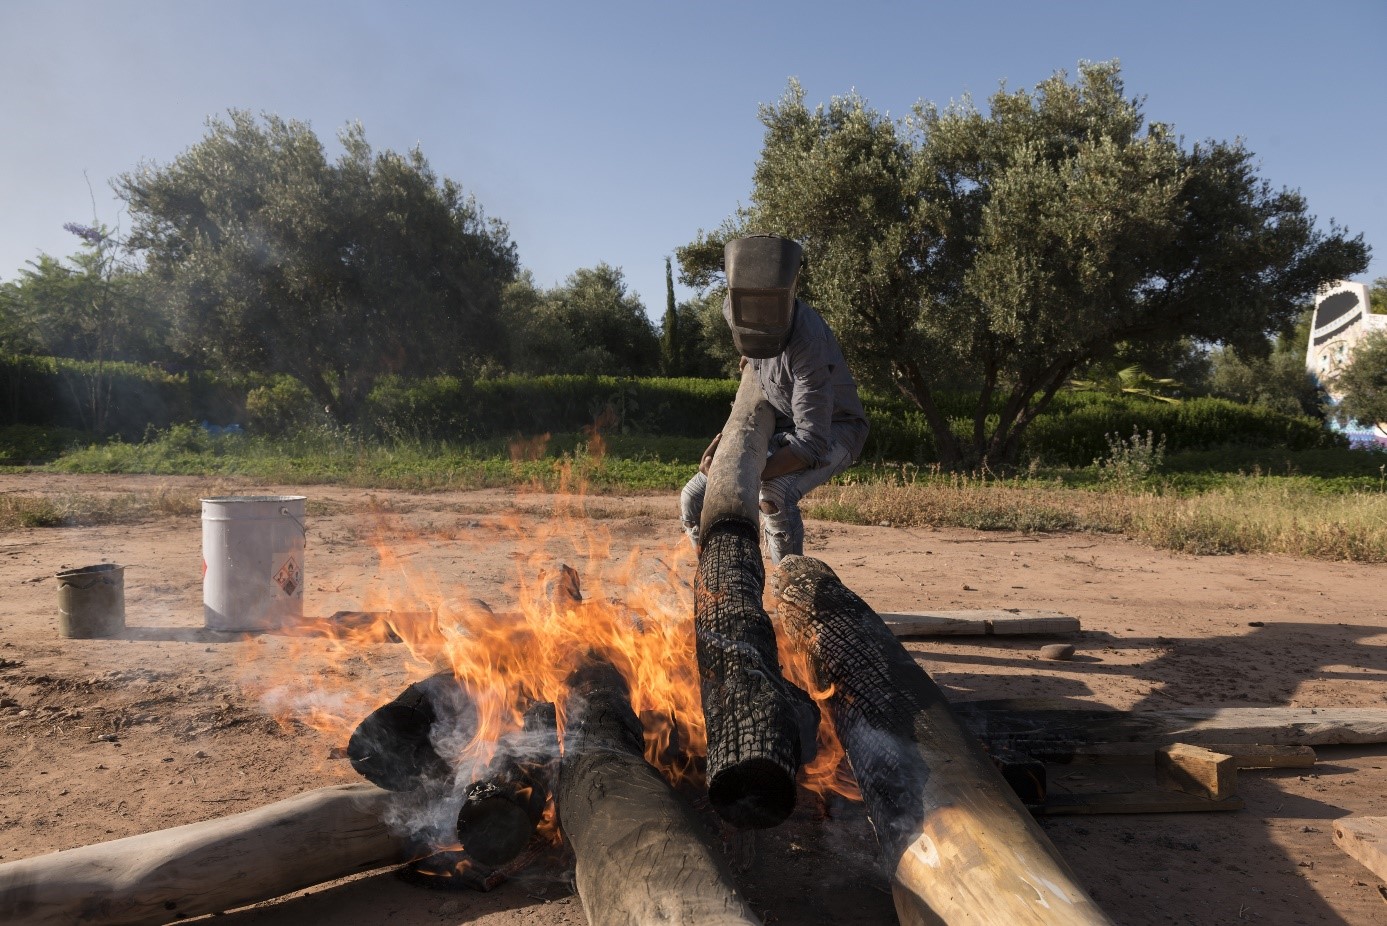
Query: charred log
point(959, 845)
point(760, 727)
point(393, 747)
point(500, 813)
point(641, 855)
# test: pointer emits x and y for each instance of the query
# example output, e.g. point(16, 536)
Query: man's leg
point(691, 505)
point(780, 516)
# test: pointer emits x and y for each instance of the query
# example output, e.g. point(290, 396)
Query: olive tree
point(998, 251)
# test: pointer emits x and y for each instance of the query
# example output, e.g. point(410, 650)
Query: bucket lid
point(88, 570)
point(237, 499)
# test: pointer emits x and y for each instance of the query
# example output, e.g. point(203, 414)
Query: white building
point(1343, 317)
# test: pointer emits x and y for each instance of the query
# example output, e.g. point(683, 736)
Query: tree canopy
point(1000, 250)
point(1363, 382)
point(273, 259)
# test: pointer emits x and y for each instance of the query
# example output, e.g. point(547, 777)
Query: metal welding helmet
point(762, 271)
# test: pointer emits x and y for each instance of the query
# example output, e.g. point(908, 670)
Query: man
point(820, 426)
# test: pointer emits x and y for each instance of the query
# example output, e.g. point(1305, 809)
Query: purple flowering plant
point(88, 233)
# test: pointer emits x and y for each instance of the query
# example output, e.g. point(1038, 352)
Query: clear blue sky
point(614, 131)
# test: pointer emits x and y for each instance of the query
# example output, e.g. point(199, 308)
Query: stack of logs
point(957, 843)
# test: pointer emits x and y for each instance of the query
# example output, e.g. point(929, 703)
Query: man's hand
point(707, 461)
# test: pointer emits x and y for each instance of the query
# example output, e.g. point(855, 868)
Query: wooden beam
point(979, 623)
point(641, 855)
point(207, 867)
point(1152, 801)
point(1364, 839)
point(1196, 770)
point(1047, 732)
point(734, 479)
point(1245, 755)
point(960, 846)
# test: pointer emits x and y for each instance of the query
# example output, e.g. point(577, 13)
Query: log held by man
point(960, 846)
point(759, 726)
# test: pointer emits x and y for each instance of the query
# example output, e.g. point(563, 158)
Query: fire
point(635, 611)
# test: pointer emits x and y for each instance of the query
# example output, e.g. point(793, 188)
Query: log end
point(494, 829)
point(753, 794)
point(391, 749)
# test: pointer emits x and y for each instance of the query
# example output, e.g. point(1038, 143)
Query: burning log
point(641, 855)
point(960, 846)
point(393, 747)
point(760, 727)
point(501, 812)
point(205, 867)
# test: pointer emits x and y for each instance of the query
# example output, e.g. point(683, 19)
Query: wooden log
point(207, 867)
point(1196, 770)
point(500, 813)
point(393, 747)
point(979, 623)
point(734, 479)
point(1364, 839)
point(641, 855)
point(960, 846)
point(760, 728)
point(1046, 731)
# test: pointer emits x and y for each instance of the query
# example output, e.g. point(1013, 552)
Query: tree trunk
point(760, 727)
point(641, 855)
point(960, 847)
point(205, 867)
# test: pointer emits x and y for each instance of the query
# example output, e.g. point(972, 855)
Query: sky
point(615, 131)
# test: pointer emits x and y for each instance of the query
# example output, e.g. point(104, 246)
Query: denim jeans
point(784, 530)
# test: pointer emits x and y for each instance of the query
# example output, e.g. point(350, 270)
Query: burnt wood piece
point(500, 812)
point(392, 747)
point(1151, 800)
point(641, 855)
point(1053, 733)
point(207, 867)
point(760, 727)
point(958, 843)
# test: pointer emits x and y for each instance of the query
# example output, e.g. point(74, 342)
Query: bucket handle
point(284, 510)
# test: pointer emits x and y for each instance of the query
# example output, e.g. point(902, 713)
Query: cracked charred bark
point(641, 855)
point(958, 843)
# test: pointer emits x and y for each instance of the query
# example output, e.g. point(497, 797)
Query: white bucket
point(252, 561)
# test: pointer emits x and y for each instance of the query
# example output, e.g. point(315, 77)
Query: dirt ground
point(101, 739)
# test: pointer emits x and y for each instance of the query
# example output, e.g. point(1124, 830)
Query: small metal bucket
point(91, 602)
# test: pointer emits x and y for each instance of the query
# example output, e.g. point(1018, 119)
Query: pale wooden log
point(207, 867)
point(1117, 802)
point(960, 846)
point(734, 479)
point(1365, 840)
point(1196, 770)
point(1050, 733)
point(979, 623)
point(641, 856)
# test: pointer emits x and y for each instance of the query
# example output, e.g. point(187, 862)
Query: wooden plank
point(1048, 731)
point(1365, 840)
point(1245, 755)
point(1154, 801)
point(985, 622)
point(1196, 770)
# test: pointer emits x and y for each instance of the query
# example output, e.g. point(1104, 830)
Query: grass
point(1316, 503)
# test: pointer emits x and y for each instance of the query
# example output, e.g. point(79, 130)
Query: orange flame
point(636, 612)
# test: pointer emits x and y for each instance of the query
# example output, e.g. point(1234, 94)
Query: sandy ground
point(101, 739)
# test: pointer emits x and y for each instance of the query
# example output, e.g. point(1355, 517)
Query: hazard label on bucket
point(288, 577)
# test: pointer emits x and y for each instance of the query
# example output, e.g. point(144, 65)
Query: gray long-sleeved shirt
point(812, 391)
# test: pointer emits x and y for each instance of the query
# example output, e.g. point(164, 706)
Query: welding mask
point(762, 271)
